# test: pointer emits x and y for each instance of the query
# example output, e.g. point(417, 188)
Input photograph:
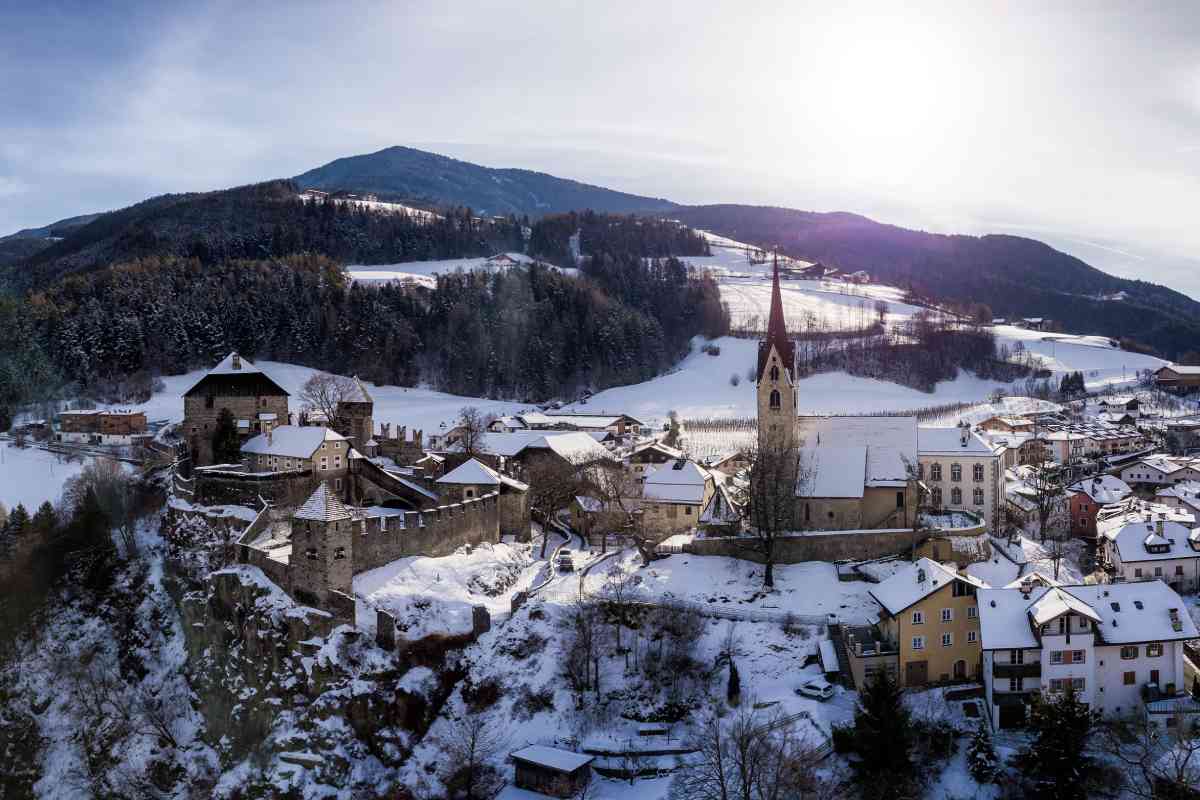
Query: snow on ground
point(1102, 364)
point(729, 584)
point(839, 305)
point(423, 409)
point(31, 476)
point(436, 595)
point(423, 272)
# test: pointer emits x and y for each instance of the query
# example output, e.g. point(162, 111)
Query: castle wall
point(435, 532)
point(290, 488)
point(796, 548)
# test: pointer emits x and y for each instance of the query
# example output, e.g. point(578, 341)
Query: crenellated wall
point(433, 532)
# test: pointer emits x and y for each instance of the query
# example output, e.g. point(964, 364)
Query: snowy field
point(31, 476)
point(423, 409)
point(422, 272)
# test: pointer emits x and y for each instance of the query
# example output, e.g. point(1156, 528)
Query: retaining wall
point(795, 548)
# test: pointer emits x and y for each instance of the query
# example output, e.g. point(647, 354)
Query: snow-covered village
point(409, 477)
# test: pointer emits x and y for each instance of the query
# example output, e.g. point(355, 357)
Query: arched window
point(936, 497)
point(978, 496)
point(956, 472)
point(774, 373)
point(775, 400)
point(977, 473)
point(956, 496)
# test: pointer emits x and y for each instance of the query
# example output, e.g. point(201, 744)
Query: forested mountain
point(402, 173)
point(260, 221)
point(1014, 275)
point(27, 241)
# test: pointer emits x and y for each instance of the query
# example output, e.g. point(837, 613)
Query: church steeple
point(776, 330)
point(776, 377)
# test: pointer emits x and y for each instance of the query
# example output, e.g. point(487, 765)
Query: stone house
point(256, 401)
point(473, 479)
point(929, 613)
point(323, 452)
point(673, 497)
point(962, 473)
point(354, 420)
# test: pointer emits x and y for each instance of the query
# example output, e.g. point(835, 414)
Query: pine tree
point(45, 520)
point(225, 444)
point(1056, 764)
point(883, 738)
point(18, 521)
point(981, 756)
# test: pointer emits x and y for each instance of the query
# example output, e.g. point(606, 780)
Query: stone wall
point(227, 487)
point(795, 548)
point(200, 419)
point(434, 532)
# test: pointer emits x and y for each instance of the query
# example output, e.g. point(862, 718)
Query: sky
point(1075, 123)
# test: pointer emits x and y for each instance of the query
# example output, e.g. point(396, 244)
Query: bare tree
point(553, 483)
point(322, 392)
point(470, 429)
point(581, 647)
point(469, 746)
point(1159, 764)
point(778, 475)
point(1048, 493)
point(116, 490)
point(617, 490)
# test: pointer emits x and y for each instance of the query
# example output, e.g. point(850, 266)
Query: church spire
point(777, 337)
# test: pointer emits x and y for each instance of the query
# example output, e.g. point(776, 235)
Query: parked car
point(818, 688)
point(566, 560)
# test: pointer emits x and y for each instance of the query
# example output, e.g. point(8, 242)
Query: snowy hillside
point(31, 476)
point(422, 273)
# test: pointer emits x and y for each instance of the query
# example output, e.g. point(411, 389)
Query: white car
point(818, 688)
point(566, 560)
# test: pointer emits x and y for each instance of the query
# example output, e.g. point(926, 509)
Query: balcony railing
point(1033, 670)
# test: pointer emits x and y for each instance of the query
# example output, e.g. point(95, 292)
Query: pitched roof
point(553, 758)
point(932, 441)
point(356, 392)
point(1103, 489)
point(471, 472)
point(235, 365)
point(323, 506)
point(906, 587)
point(830, 471)
point(890, 442)
point(292, 441)
point(682, 482)
point(1055, 602)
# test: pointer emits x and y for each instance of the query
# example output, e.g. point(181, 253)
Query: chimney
point(237, 361)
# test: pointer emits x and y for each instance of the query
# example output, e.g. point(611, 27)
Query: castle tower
point(776, 378)
point(355, 415)
point(322, 548)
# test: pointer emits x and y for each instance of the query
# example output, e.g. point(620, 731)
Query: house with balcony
point(1120, 647)
point(928, 622)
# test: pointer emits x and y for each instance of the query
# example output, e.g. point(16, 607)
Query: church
point(855, 472)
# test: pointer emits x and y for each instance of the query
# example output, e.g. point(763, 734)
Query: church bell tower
point(776, 378)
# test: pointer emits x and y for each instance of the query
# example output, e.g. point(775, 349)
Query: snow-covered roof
point(575, 447)
point(654, 444)
point(1112, 518)
point(1123, 612)
point(356, 392)
point(940, 441)
point(1103, 489)
point(323, 506)
point(681, 482)
point(832, 471)
point(1183, 369)
point(1054, 603)
point(553, 758)
point(1187, 491)
point(291, 441)
point(915, 582)
point(1133, 539)
point(471, 472)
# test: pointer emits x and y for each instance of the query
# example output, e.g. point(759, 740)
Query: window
point(1056, 656)
point(1077, 684)
point(1129, 678)
point(936, 497)
point(1158, 572)
point(899, 499)
point(337, 484)
point(1130, 652)
point(956, 472)
point(918, 618)
point(1078, 656)
point(920, 470)
point(337, 462)
point(1154, 676)
point(774, 373)
point(972, 637)
point(687, 510)
point(1016, 656)
point(947, 639)
point(947, 615)
point(962, 589)
point(956, 496)
point(775, 400)
point(324, 462)
point(1154, 650)
point(977, 473)
point(339, 553)
point(935, 472)
point(918, 643)
point(311, 554)
point(1179, 569)
point(977, 496)
point(972, 612)
point(1137, 572)
point(1016, 684)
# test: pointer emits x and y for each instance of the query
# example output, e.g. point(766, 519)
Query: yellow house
point(929, 612)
